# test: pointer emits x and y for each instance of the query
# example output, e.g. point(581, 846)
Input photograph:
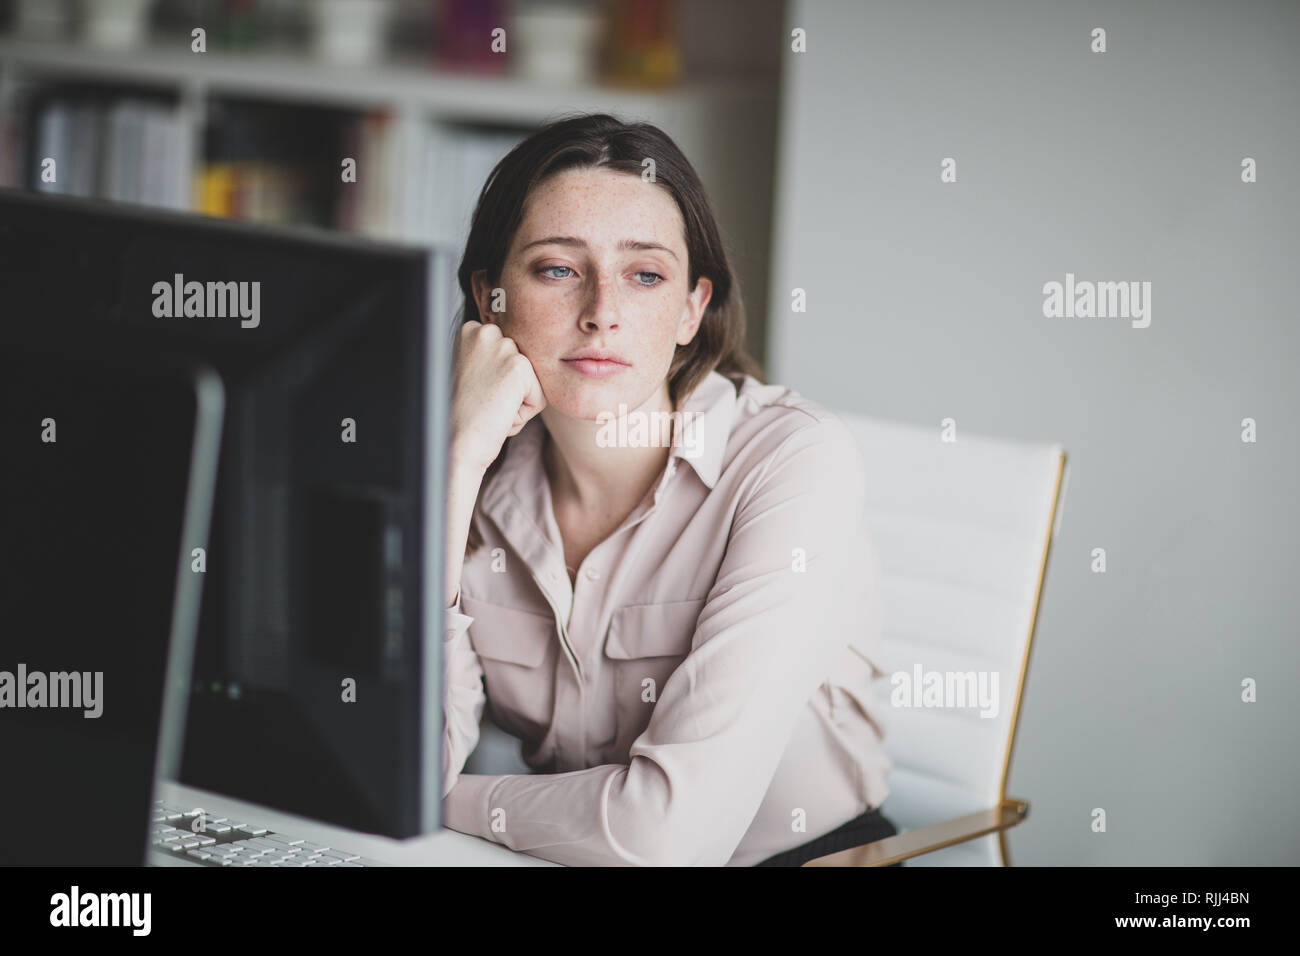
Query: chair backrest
point(962, 531)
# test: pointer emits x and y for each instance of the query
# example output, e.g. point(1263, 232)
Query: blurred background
point(256, 125)
point(924, 297)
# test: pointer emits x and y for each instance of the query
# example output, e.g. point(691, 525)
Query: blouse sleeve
point(462, 696)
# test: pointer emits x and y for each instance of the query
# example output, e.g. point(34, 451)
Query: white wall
point(925, 301)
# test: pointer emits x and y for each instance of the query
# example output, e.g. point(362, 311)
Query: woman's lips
point(596, 368)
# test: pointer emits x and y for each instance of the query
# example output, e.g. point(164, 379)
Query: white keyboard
point(224, 842)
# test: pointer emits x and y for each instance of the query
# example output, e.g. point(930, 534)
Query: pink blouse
point(699, 697)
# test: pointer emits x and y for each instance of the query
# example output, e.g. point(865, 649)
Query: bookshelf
point(420, 125)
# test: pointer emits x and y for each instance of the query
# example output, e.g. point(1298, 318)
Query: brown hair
point(601, 140)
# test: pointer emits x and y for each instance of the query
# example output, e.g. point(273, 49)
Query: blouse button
point(592, 574)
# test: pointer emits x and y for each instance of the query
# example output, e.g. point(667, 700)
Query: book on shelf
point(12, 148)
point(125, 149)
point(434, 201)
point(457, 162)
point(259, 164)
point(267, 163)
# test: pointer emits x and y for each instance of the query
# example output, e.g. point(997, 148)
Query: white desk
point(444, 848)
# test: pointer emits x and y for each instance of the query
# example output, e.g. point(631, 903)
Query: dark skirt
point(871, 826)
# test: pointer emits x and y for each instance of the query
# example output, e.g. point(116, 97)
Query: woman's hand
point(495, 392)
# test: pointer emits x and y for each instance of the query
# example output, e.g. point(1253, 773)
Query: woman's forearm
point(462, 491)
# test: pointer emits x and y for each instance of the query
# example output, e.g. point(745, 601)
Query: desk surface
point(444, 848)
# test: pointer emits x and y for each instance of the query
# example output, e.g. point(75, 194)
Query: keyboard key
point(199, 854)
point(249, 828)
point(312, 846)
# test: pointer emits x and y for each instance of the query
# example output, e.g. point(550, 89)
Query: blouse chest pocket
point(646, 644)
point(517, 651)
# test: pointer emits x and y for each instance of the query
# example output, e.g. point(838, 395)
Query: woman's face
point(599, 261)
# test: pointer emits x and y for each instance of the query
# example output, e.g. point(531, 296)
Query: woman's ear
point(693, 310)
point(482, 295)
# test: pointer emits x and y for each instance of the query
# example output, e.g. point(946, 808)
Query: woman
point(661, 614)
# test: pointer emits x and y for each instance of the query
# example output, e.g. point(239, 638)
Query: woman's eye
point(648, 279)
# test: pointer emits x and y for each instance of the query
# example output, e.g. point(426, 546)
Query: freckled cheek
point(543, 306)
point(536, 323)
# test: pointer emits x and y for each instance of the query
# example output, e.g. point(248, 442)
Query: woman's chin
point(590, 401)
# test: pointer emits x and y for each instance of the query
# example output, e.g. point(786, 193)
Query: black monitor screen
point(92, 497)
point(307, 691)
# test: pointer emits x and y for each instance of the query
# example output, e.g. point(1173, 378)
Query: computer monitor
point(101, 448)
point(317, 676)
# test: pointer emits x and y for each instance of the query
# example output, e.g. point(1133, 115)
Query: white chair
point(962, 531)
